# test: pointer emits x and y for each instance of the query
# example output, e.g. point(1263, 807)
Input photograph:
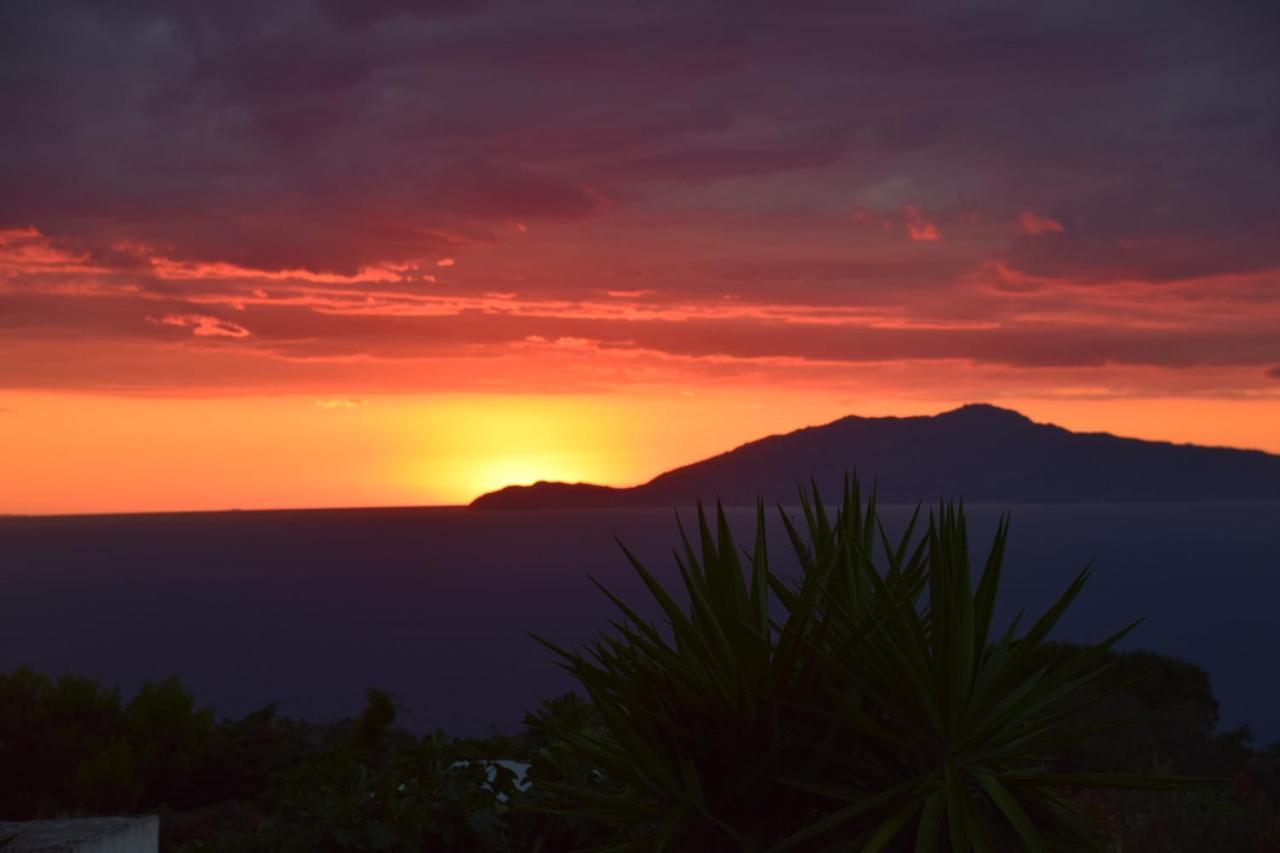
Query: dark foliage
point(267, 782)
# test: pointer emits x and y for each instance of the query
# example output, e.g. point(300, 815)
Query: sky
point(376, 252)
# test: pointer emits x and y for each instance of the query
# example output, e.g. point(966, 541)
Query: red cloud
point(919, 228)
point(1034, 224)
point(677, 187)
point(202, 325)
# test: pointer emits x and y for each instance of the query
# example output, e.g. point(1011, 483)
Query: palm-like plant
point(952, 738)
point(696, 729)
point(862, 707)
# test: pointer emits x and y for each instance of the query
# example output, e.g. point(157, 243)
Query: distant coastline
point(980, 452)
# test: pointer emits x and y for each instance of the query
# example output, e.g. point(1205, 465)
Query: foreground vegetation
point(872, 704)
point(269, 783)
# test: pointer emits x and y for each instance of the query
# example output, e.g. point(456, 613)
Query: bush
point(68, 745)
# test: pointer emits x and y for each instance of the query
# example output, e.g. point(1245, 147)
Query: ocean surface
point(308, 608)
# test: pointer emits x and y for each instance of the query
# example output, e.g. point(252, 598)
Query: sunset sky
point(374, 252)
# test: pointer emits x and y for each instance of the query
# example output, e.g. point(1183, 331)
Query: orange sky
point(351, 253)
point(71, 453)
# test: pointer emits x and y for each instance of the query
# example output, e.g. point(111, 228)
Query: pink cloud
point(866, 218)
point(1033, 224)
point(172, 270)
point(202, 325)
point(919, 228)
point(27, 250)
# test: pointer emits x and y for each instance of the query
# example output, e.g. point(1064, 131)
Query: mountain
point(978, 452)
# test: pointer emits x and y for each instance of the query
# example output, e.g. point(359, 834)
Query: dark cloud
point(490, 191)
point(1274, 372)
point(365, 13)
point(708, 164)
point(744, 153)
point(291, 123)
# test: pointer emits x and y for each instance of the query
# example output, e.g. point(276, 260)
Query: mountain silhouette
point(977, 452)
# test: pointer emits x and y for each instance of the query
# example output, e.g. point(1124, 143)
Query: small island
point(980, 451)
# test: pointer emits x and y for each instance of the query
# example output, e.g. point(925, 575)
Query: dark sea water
point(433, 605)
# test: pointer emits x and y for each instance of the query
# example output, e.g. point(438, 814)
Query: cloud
point(245, 193)
point(340, 403)
point(701, 165)
point(870, 219)
point(335, 136)
point(1044, 328)
point(365, 13)
point(919, 228)
point(1095, 256)
point(1274, 372)
point(1033, 224)
point(203, 326)
point(497, 192)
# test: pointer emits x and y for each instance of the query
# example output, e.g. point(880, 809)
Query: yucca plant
point(705, 717)
point(866, 705)
point(950, 741)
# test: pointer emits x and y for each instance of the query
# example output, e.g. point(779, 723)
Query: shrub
point(69, 745)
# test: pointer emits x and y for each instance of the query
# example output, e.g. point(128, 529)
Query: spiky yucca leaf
point(690, 736)
point(966, 723)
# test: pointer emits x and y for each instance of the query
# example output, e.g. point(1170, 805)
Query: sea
point(436, 605)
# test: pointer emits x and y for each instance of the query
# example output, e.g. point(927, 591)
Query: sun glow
point(522, 470)
point(474, 445)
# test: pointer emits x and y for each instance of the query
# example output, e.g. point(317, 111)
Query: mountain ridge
point(977, 451)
